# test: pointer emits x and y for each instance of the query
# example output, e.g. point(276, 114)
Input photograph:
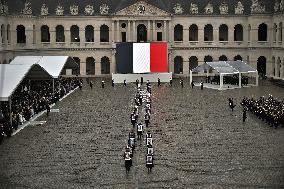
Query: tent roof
point(12, 75)
point(54, 65)
point(226, 67)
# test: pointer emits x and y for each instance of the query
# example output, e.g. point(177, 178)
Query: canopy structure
point(12, 75)
point(226, 68)
point(54, 65)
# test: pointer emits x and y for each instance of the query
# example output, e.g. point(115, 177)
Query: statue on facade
point(193, 8)
point(224, 9)
point(276, 6)
point(59, 10)
point(178, 9)
point(104, 9)
point(281, 5)
point(3, 7)
point(256, 7)
point(239, 8)
point(44, 10)
point(27, 9)
point(74, 10)
point(89, 10)
point(208, 9)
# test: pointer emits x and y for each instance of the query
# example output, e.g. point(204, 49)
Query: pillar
point(128, 31)
point(134, 37)
point(117, 31)
point(67, 36)
point(256, 83)
point(52, 37)
point(240, 80)
point(154, 31)
point(190, 77)
point(171, 36)
point(221, 81)
point(29, 36)
point(4, 36)
point(165, 31)
point(200, 34)
point(112, 32)
point(97, 34)
point(215, 35)
point(231, 35)
point(149, 31)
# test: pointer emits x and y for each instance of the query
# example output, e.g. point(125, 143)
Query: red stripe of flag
point(158, 57)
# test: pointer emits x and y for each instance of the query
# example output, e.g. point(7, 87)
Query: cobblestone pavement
point(198, 143)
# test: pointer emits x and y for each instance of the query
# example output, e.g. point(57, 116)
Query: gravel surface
point(198, 142)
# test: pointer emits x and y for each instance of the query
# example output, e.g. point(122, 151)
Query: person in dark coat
point(141, 80)
point(171, 82)
point(112, 83)
point(201, 84)
point(103, 84)
point(124, 82)
point(181, 83)
point(244, 115)
point(192, 84)
point(159, 82)
point(91, 84)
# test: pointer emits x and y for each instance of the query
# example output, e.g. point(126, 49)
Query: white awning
point(12, 75)
point(54, 65)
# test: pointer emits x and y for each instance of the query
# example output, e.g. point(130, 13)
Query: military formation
point(268, 109)
point(142, 97)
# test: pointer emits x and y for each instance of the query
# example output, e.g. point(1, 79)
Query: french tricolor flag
point(142, 57)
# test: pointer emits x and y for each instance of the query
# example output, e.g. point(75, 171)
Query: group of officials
point(29, 99)
point(267, 109)
point(142, 97)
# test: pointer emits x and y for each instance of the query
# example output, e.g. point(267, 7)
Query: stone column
point(254, 36)
point(165, 31)
point(171, 37)
point(112, 32)
point(117, 31)
point(154, 31)
point(134, 38)
point(128, 31)
point(149, 31)
point(13, 39)
point(29, 36)
point(171, 62)
point(98, 70)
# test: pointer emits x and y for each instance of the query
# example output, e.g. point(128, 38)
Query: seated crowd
point(268, 109)
point(29, 101)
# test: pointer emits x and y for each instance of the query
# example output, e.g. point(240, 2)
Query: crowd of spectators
point(268, 109)
point(31, 98)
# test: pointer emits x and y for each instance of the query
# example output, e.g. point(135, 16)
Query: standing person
point(171, 82)
point(124, 82)
point(137, 82)
point(192, 84)
point(149, 162)
point(201, 84)
point(159, 82)
point(47, 109)
point(80, 85)
point(91, 85)
point(244, 115)
point(139, 130)
point(112, 82)
point(181, 83)
point(103, 84)
point(141, 80)
point(147, 119)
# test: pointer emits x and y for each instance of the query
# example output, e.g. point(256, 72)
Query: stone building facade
point(196, 31)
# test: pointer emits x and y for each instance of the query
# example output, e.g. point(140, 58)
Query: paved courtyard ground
point(198, 143)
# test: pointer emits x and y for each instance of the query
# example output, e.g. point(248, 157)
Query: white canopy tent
point(12, 75)
point(226, 68)
point(54, 65)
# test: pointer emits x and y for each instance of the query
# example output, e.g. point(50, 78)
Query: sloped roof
point(54, 65)
point(15, 6)
point(226, 67)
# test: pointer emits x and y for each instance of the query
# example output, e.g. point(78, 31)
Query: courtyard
point(198, 142)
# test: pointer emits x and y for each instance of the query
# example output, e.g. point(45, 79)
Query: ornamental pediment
point(141, 8)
